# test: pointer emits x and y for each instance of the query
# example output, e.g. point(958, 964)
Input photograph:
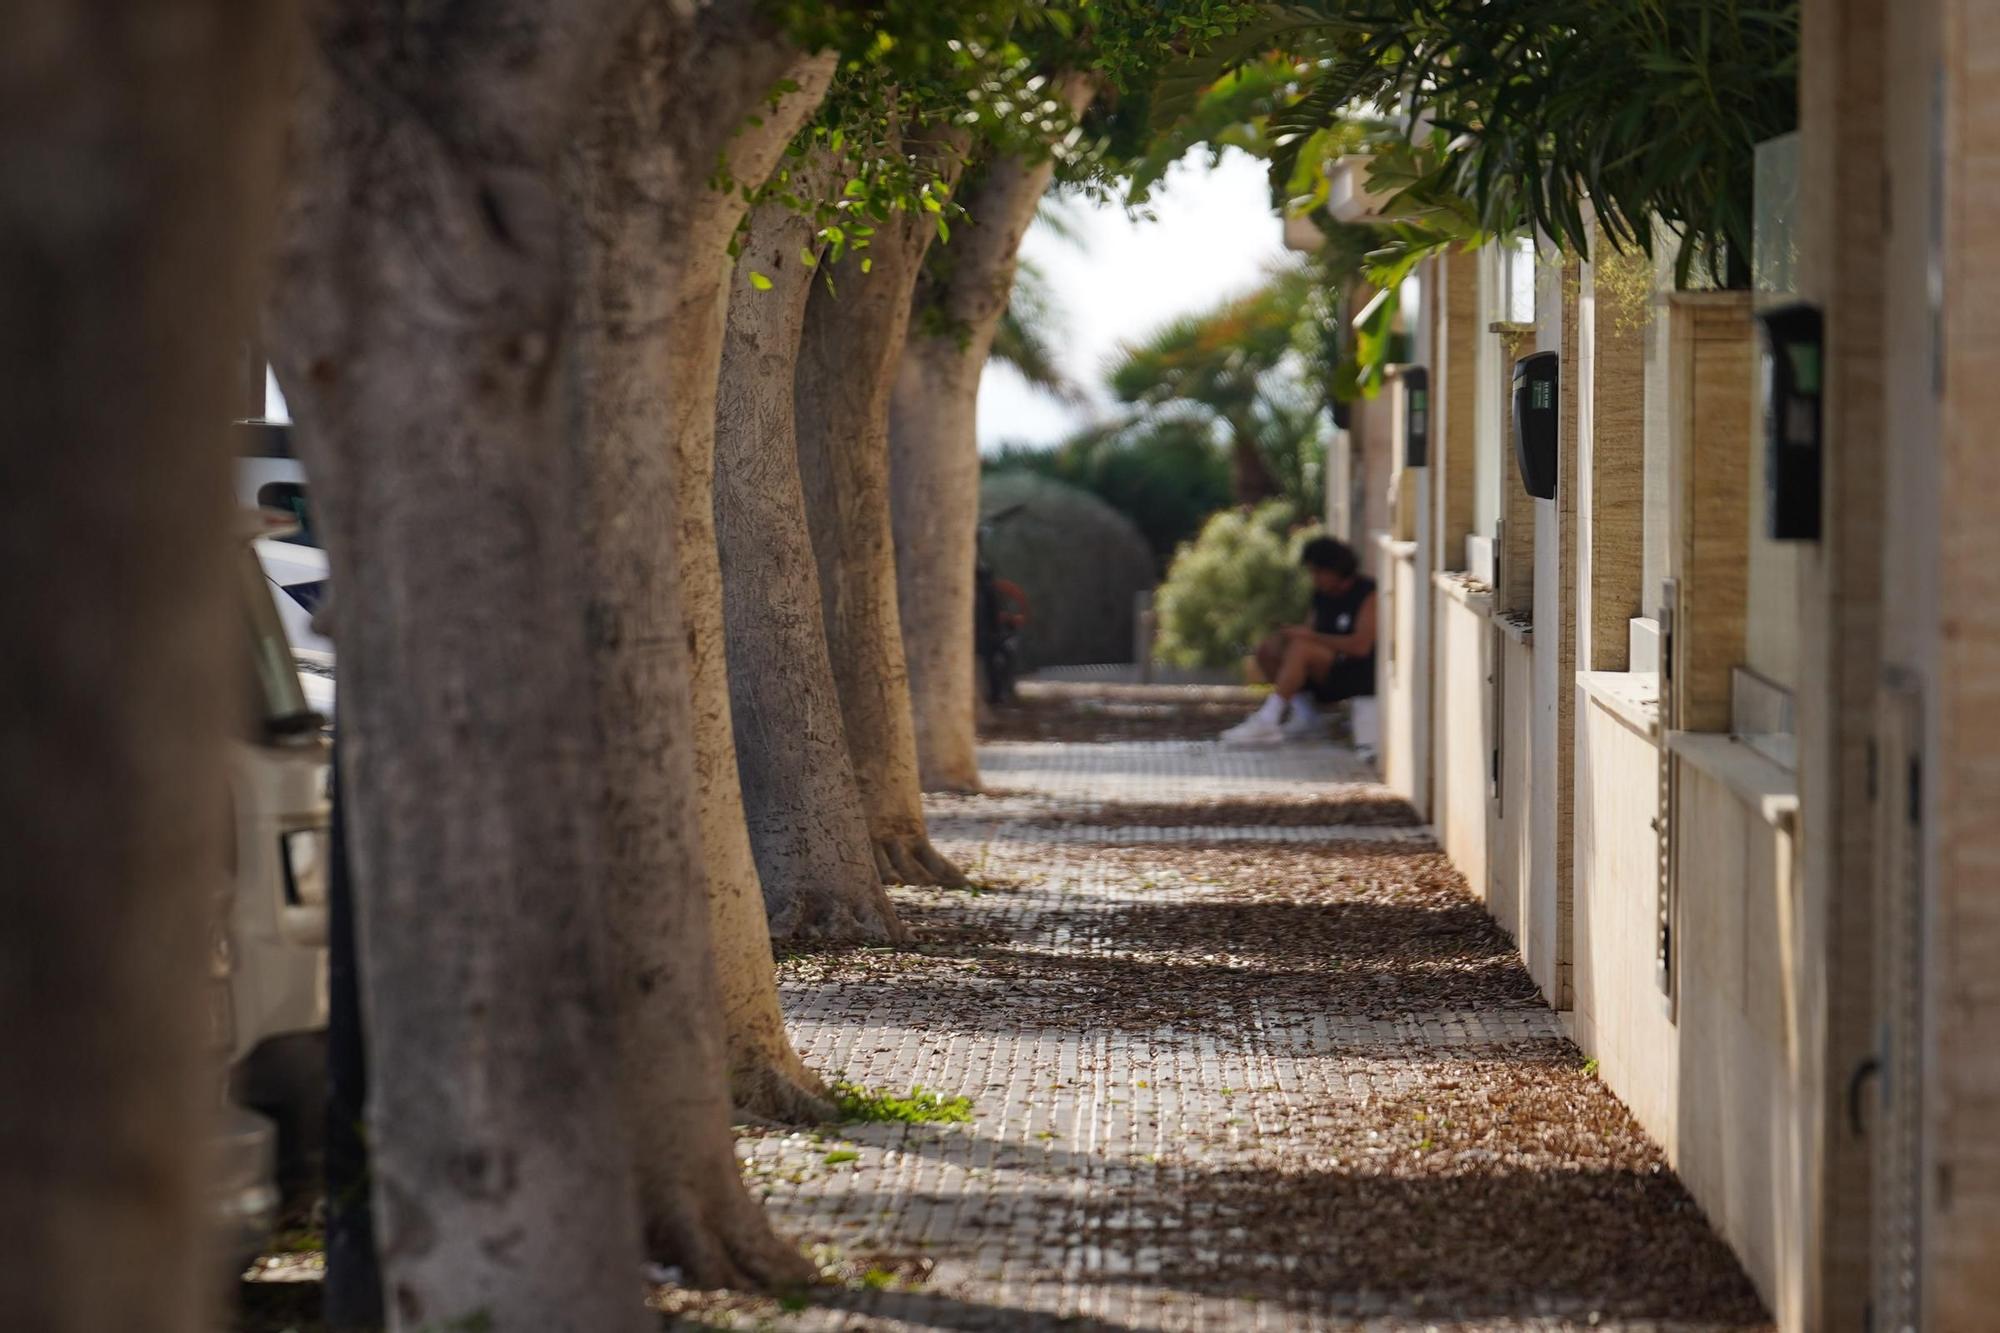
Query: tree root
point(775, 1096)
point(910, 859)
point(718, 1236)
point(827, 920)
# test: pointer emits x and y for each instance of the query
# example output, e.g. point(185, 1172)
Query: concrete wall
point(1509, 852)
point(1462, 744)
point(1738, 987)
point(1397, 678)
point(1623, 1020)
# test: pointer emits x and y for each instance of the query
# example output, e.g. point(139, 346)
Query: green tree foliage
point(1167, 476)
point(1231, 586)
point(1252, 367)
point(1538, 112)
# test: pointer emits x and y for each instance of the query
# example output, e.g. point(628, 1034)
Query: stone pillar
point(1840, 597)
point(1617, 307)
point(1714, 361)
point(1552, 903)
point(1455, 391)
point(1962, 1190)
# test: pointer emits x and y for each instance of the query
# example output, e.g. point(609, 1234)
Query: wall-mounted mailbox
point(1535, 421)
point(1792, 421)
point(1416, 416)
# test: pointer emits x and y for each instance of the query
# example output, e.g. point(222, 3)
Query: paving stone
point(1224, 1077)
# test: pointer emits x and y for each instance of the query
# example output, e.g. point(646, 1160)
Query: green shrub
point(1081, 563)
point(1166, 476)
point(1232, 585)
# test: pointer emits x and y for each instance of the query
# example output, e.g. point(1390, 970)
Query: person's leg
point(1271, 656)
point(1304, 661)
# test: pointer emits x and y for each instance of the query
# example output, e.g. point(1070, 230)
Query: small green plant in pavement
point(921, 1106)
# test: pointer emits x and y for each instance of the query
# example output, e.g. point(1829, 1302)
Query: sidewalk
point(1242, 1054)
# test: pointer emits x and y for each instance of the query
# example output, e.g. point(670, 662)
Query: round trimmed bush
point(1232, 585)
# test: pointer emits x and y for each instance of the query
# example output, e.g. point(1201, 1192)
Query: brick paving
point(1236, 1061)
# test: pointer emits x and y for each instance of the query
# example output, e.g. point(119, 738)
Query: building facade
point(1732, 782)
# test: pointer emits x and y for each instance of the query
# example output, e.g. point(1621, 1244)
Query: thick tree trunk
point(934, 460)
point(671, 1043)
point(853, 342)
point(136, 162)
point(766, 1076)
point(804, 810)
point(422, 331)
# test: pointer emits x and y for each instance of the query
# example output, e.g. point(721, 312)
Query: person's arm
point(1357, 642)
point(1015, 593)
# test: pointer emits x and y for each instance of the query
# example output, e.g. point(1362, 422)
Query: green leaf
point(759, 281)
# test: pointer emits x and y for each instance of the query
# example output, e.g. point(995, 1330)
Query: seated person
point(1331, 659)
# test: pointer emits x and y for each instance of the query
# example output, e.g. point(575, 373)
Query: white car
point(270, 957)
point(269, 477)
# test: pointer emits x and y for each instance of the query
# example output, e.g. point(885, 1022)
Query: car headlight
point(306, 854)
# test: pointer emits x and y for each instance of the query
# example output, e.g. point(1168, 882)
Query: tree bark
point(422, 334)
point(766, 1076)
point(136, 165)
point(671, 1036)
point(934, 456)
point(804, 810)
point(853, 341)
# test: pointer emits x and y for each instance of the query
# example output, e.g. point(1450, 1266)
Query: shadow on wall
point(1081, 563)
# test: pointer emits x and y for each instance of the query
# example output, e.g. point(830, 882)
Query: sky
point(1216, 232)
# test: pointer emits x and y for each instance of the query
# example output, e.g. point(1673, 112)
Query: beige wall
point(1735, 1144)
point(1510, 846)
point(1622, 1019)
point(1396, 670)
point(1462, 700)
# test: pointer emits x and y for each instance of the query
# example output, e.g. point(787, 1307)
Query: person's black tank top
point(1335, 613)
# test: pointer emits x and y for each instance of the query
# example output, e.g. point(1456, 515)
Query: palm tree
point(1240, 368)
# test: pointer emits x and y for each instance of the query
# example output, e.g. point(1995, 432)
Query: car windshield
point(279, 700)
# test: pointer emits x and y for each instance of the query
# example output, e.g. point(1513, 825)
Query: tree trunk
point(136, 164)
point(934, 458)
point(422, 332)
point(804, 810)
point(671, 1043)
point(1250, 476)
point(853, 341)
point(766, 1076)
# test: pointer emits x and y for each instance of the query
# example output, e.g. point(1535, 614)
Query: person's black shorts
point(1349, 678)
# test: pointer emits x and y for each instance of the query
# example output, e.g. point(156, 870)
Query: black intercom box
point(1793, 432)
point(1416, 416)
point(1535, 422)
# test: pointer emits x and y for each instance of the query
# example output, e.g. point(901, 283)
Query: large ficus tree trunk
point(804, 810)
point(422, 321)
point(766, 1076)
point(671, 1042)
point(848, 354)
point(934, 455)
point(136, 159)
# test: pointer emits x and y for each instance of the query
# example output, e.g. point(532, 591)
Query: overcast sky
point(1215, 234)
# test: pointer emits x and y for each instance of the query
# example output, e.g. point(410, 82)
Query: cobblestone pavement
point(1241, 1054)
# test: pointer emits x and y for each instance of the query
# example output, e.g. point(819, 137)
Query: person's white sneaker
point(1256, 729)
point(1306, 723)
